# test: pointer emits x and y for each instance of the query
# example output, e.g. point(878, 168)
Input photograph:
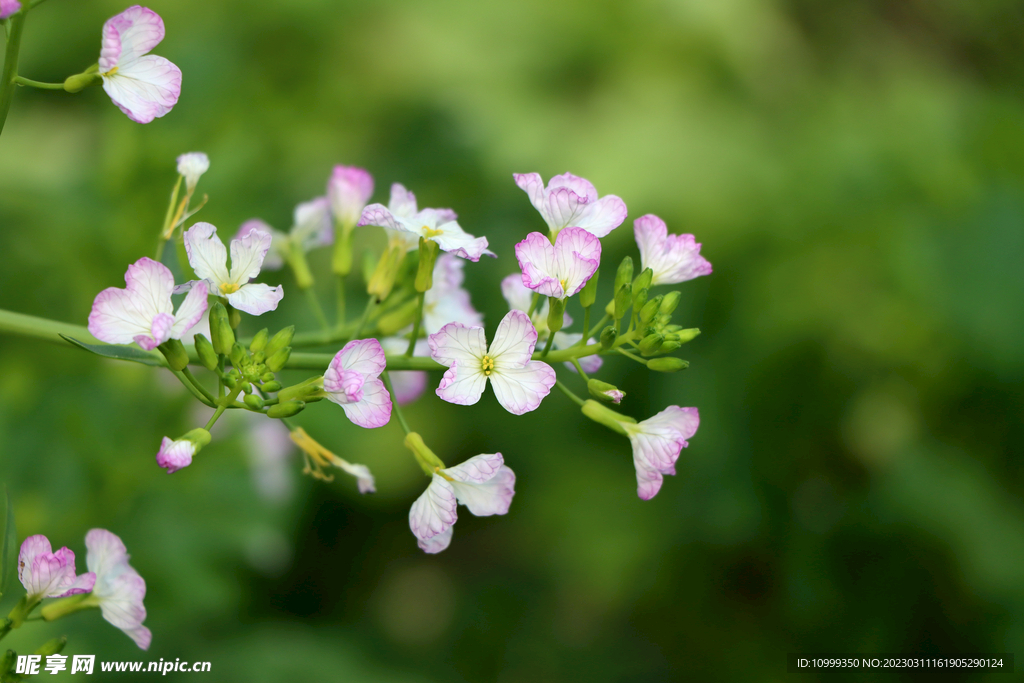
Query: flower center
point(431, 232)
point(110, 73)
point(564, 288)
point(487, 365)
point(228, 288)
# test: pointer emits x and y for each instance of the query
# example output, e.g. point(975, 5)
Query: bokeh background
point(855, 172)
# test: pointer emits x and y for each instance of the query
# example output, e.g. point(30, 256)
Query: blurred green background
point(855, 171)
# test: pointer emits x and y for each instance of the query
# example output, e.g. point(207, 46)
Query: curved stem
point(394, 402)
point(21, 80)
point(314, 303)
point(198, 385)
point(15, 25)
point(579, 369)
point(627, 354)
point(565, 390)
point(547, 347)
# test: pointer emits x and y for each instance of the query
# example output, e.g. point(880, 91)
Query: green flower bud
point(221, 333)
point(175, 354)
point(639, 299)
point(624, 275)
point(52, 647)
point(198, 436)
point(669, 347)
point(427, 459)
point(267, 376)
point(643, 280)
point(204, 349)
point(650, 344)
point(608, 336)
point(383, 278)
point(556, 314)
point(253, 401)
point(273, 385)
point(604, 391)
point(589, 292)
point(259, 340)
point(622, 300)
point(247, 387)
point(7, 660)
point(80, 82)
point(667, 364)
point(669, 303)
point(429, 249)
point(303, 391)
point(683, 336)
point(286, 409)
point(280, 357)
point(234, 317)
point(238, 354)
point(605, 416)
point(279, 341)
point(650, 309)
point(398, 318)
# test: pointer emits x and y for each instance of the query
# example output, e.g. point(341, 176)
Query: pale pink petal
point(590, 364)
point(129, 35)
point(434, 511)
point(174, 455)
point(520, 390)
point(116, 317)
point(190, 312)
point(477, 469)
point(364, 478)
point(581, 187)
point(159, 332)
point(409, 385)
point(436, 544)
point(402, 202)
point(536, 256)
point(516, 293)
point(33, 548)
point(492, 497)
point(9, 7)
point(312, 226)
point(533, 185)
point(648, 481)
point(121, 601)
point(83, 583)
point(672, 258)
point(563, 207)
point(247, 256)
point(454, 240)
point(343, 386)
point(348, 189)
point(275, 256)
point(457, 343)
point(601, 217)
point(153, 283)
point(577, 257)
point(206, 253)
point(513, 342)
point(192, 166)
point(256, 298)
point(658, 441)
point(145, 89)
point(374, 409)
point(379, 215)
point(105, 552)
point(361, 355)
point(141, 635)
point(462, 385)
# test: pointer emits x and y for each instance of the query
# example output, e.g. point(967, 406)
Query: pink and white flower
point(9, 7)
point(209, 259)
point(447, 301)
point(311, 228)
point(484, 484)
point(348, 190)
point(353, 381)
point(142, 85)
point(48, 574)
point(175, 454)
point(142, 312)
point(191, 166)
point(657, 443)
point(561, 269)
point(571, 201)
point(439, 225)
point(673, 258)
point(119, 589)
point(519, 383)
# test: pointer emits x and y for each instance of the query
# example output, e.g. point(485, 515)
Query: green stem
point(370, 303)
point(586, 327)
point(314, 303)
point(216, 416)
point(416, 327)
point(579, 369)
point(547, 347)
point(627, 354)
point(340, 294)
point(21, 80)
point(394, 402)
point(15, 25)
point(600, 325)
point(198, 385)
point(193, 389)
point(533, 304)
point(565, 390)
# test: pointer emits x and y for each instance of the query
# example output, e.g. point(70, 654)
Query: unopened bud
point(650, 309)
point(279, 341)
point(273, 385)
point(669, 347)
point(221, 333)
point(253, 401)
point(175, 354)
point(643, 280)
point(624, 275)
point(52, 647)
point(259, 340)
point(589, 292)
point(234, 317)
point(237, 354)
point(604, 391)
point(669, 303)
point(556, 314)
point(608, 336)
point(267, 376)
point(398, 318)
point(650, 344)
point(80, 82)
point(383, 278)
point(303, 391)
point(204, 349)
point(7, 660)
point(605, 416)
point(429, 250)
point(280, 357)
point(639, 299)
point(622, 301)
point(683, 336)
point(667, 364)
point(285, 409)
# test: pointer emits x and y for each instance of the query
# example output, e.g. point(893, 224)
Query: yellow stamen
point(228, 288)
point(438, 472)
point(487, 365)
point(110, 73)
point(316, 456)
point(431, 232)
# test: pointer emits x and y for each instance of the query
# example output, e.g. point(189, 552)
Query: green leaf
point(118, 352)
point(10, 543)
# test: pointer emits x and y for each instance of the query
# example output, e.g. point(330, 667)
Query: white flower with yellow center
point(209, 259)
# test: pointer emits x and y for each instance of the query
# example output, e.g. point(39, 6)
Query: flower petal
point(402, 202)
point(516, 294)
point(374, 409)
point(454, 240)
point(348, 190)
point(457, 343)
point(129, 35)
point(513, 342)
point(672, 258)
point(160, 331)
point(343, 386)
point(536, 257)
point(577, 257)
point(247, 256)
point(601, 217)
point(206, 253)
point(462, 384)
point(648, 481)
point(379, 215)
point(256, 298)
point(105, 553)
point(436, 544)
point(657, 441)
point(408, 385)
point(191, 310)
point(32, 548)
point(364, 478)
point(312, 226)
point(520, 390)
point(174, 455)
point(146, 88)
point(492, 497)
point(434, 511)
point(364, 356)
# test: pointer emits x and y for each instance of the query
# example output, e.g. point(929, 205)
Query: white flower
point(46, 574)
point(657, 443)
point(571, 201)
point(119, 589)
point(209, 259)
point(192, 166)
point(672, 258)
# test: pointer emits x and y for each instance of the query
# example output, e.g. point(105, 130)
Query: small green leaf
point(118, 352)
point(10, 543)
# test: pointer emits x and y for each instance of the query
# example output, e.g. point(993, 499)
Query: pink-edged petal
point(492, 497)
point(146, 88)
point(105, 552)
point(192, 166)
point(581, 187)
point(454, 240)
point(462, 385)
point(513, 342)
point(577, 257)
point(379, 215)
point(648, 481)
point(520, 390)
point(361, 355)
point(32, 548)
point(275, 256)
point(83, 583)
point(657, 441)
point(536, 257)
point(206, 253)
point(434, 511)
point(563, 207)
point(348, 190)
point(601, 217)
point(402, 202)
point(457, 343)
point(141, 635)
point(590, 364)
point(152, 282)
point(364, 478)
point(516, 294)
point(115, 317)
point(256, 298)
point(313, 226)
point(158, 334)
point(409, 385)
point(191, 311)
point(247, 255)
point(129, 35)
point(174, 455)
point(672, 258)
point(343, 386)
point(533, 185)
point(436, 544)
point(121, 602)
point(477, 469)
point(373, 409)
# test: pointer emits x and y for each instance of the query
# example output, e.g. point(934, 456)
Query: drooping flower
point(561, 269)
point(484, 484)
point(571, 201)
point(9, 7)
point(519, 383)
point(447, 301)
point(192, 166)
point(209, 259)
point(142, 312)
point(353, 381)
point(175, 454)
point(673, 258)
point(439, 225)
point(119, 589)
point(317, 458)
point(407, 385)
point(48, 574)
point(657, 443)
point(142, 85)
point(348, 190)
